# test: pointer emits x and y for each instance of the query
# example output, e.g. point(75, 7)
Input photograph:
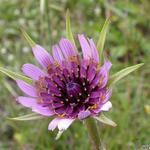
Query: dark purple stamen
point(73, 89)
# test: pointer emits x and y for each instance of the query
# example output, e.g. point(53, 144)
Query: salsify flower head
point(70, 86)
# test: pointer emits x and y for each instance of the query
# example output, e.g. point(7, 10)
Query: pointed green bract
point(32, 116)
point(124, 72)
point(102, 118)
point(27, 37)
point(9, 88)
point(59, 134)
point(102, 37)
point(15, 75)
point(69, 34)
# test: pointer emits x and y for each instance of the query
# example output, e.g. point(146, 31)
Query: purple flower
point(69, 86)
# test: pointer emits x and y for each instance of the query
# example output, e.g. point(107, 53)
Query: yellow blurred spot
point(147, 109)
point(19, 138)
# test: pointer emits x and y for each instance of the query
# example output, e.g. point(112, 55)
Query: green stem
point(48, 20)
point(93, 133)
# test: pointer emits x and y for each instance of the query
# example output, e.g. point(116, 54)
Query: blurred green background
point(128, 43)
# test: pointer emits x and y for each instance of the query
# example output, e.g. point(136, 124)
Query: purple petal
point(27, 101)
point(91, 72)
point(69, 110)
point(104, 72)
point(103, 107)
point(74, 68)
point(53, 124)
point(32, 103)
point(42, 56)
point(57, 105)
point(67, 48)
point(57, 54)
point(84, 114)
point(26, 88)
point(60, 110)
point(106, 106)
point(93, 100)
point(58, 81)
point(102, 76)
point(86, 49)
point(32, 71)
point(83, 69)
point(108, 93)
point(43, 110)
point(64, 124)
point(95, 94)
point(107, 64)
point(95, 53)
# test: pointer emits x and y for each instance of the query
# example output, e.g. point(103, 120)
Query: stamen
point(67, 99)
point(48, 91)
point(78, 100)
point(93, 87)
point(80, 94)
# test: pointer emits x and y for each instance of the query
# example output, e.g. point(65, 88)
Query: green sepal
point(15, 75)
point(122, 73)
point(69, 34)
point(32, 116)
point(102, 118)
point(28, 38)
point(102, 37)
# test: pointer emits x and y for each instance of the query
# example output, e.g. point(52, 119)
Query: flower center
point(73, 89)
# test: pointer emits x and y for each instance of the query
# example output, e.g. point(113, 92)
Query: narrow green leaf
point(15, 75)
point(102, 37)
point(27, 37)
point(124, 72)
point(32, 116)
point(102, 118)
point(69, 34)
point(9, 88)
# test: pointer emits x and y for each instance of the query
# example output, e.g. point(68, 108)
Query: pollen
point(61, 115)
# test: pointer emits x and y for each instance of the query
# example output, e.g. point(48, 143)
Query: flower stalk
point(93, 133)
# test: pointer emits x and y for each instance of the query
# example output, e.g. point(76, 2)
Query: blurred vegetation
point(128, 43)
